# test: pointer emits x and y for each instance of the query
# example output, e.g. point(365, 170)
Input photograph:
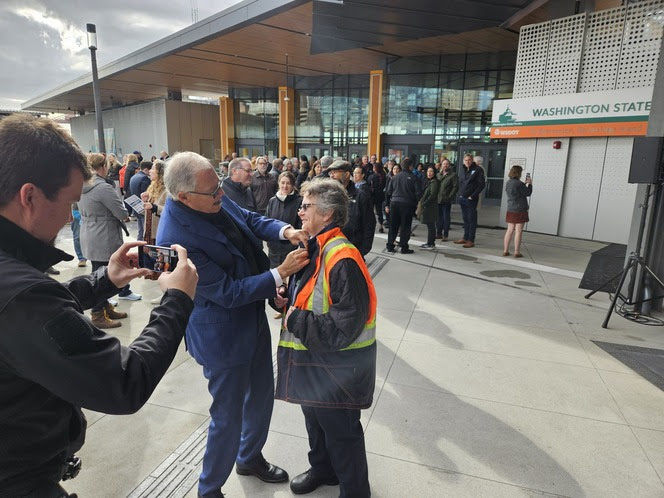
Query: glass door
point(356, 150)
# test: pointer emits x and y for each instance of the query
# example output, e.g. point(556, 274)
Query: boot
point(111, 313)
point(102, 321)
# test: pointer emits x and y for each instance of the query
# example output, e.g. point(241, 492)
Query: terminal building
point(397, 79)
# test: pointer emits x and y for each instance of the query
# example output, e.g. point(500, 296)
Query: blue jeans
point(141, 226)
point(444, 220)
point(76, 232)
point(469, 212)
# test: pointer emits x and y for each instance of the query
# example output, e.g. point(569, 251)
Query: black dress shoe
point(214, 494)
point(264, 470)
point(52, 271)
point(308, 482)
point(407, 251)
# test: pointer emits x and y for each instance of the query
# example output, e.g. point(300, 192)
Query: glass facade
point(445, 97)
point(448, 97)
point(332, 110)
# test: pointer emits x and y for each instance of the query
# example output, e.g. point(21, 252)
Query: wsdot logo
point(498, 131)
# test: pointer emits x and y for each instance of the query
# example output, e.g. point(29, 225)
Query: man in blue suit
point(228, 333)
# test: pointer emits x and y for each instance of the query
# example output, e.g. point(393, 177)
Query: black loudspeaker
point(646, 160)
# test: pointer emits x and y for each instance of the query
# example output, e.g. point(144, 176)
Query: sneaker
point(156, 300)
point(82, 263)
point(428, 246)
point(131, 297)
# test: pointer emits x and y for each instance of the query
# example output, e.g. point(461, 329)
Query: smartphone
point(527, 176)
point(157, 258)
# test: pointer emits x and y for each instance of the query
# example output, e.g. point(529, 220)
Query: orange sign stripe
point(621, 129)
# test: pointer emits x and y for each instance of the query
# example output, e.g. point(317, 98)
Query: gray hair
point(325, 161)
point(330, 195)
point(237, 163)
point(277, 163)
point(180, 176)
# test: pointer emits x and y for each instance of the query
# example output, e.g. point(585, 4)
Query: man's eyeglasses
point(304, 207)
point(211, 194)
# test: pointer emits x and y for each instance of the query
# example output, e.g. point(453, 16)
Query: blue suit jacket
point(229, 301)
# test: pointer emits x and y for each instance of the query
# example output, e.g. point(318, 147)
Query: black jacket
point(242, 196)
point(130, 171)
point(404, 188)
point(361, 224)
point(53, 361)
point(377, 182)
point(287, 211)
point(472, 182)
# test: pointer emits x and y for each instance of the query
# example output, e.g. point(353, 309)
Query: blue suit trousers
point(242, 402)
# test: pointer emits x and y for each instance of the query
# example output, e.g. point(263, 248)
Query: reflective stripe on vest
point(319, 300)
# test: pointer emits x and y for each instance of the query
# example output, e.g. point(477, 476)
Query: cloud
point(44, 44)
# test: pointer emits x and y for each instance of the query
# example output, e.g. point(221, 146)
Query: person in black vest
point(53, 360)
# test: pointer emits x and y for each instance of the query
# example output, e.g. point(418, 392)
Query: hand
point(280, 301)
point(184, 277)
point(144, 197)
point(123, 265)
point(288, 313)
point(294, 262)
point(297, 236)
point(147, 206)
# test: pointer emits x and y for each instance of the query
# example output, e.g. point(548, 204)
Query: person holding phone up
point(517, 209)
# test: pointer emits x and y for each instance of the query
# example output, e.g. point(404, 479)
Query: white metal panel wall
point(582, 187)
point(520, 153)
point(641, 43)
point(548, 180)
point(564, 55)
point(601, 51)
point(616, 196)
point(139, 127)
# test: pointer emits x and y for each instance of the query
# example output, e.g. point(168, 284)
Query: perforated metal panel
point(582, 186)
point(641, 44)
point(531, 60)
point(616, 198)
point(564, 55)
point(601, 52)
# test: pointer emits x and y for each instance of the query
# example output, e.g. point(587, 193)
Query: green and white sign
point(607, 113)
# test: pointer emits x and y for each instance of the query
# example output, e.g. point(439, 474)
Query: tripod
point(632, 265)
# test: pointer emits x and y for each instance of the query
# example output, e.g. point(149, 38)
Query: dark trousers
point(141, 226)
point(431, 233)
point(242, 401)
point(401, 220)
point(378, 208)
point(125, 291)
point(469, 212)
point(41, 490)
point(444, 219)
point(336, 440)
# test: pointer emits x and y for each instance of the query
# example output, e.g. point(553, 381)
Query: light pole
point(92, 45)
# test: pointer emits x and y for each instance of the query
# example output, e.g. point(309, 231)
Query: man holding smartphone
point(228, 333)
point(53, 360)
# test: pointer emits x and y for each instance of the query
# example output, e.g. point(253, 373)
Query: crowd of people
point(318, 218)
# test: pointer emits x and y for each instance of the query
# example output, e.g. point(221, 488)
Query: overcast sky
point(43, 43)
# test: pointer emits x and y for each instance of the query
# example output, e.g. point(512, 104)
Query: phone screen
point(527, 176)
point(157, 258)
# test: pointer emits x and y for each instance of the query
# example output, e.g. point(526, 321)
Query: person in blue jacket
point(228, 333)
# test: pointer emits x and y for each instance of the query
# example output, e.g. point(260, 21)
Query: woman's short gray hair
point(180, 175)
point(330, 195)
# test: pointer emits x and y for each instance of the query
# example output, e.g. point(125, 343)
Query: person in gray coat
point(517, 209)
point(102, 212)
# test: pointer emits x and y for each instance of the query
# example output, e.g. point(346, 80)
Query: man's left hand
point(123, 265)
point(297, 236)
point(280, 301)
